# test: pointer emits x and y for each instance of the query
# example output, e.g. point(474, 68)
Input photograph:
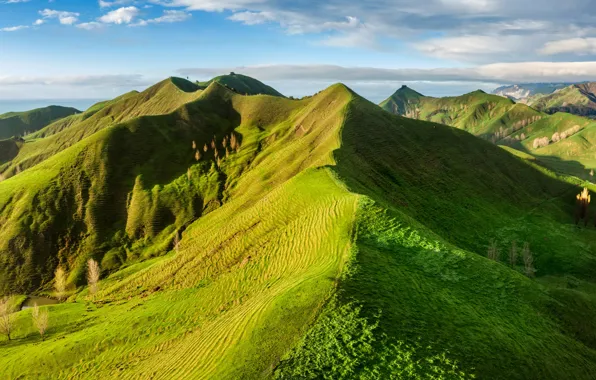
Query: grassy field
point(334, 240)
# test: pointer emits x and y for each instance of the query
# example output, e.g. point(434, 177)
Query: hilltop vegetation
point(21, 123)
point(319, 238)
point(242, 84)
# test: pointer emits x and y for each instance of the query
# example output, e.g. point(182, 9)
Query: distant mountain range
point(556, 138)
point(524, 91)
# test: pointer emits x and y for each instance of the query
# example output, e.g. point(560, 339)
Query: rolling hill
point(577, 99)
point(21, 123)
point(561, 142)
point(320, 238)
point(242, 84)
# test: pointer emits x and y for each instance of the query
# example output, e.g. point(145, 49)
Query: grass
point(506, 123)
point(21, 123)
point(337, 241)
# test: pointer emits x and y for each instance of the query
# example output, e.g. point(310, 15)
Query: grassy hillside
point(21, 123)
point(577, 99)
point(560, 142)
point(321, 238)
point(243, 85)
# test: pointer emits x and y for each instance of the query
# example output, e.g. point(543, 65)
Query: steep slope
point(488, 116)
point(504, 122)
point(577, 99)
point(402, 101)
point(161, 98)
point(243, 84)
point(333, 240)
point(21, 123)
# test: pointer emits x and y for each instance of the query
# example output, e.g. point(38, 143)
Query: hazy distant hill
point(19, 123)
point(243, 85)
point(524, 91)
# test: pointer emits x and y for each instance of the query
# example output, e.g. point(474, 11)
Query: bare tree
point(41, 320)
point(513, 254)
point(93, 273)
point(177, 241)
point(493, 251)
point(528, 261)
point(60, 283)
point(6, 318)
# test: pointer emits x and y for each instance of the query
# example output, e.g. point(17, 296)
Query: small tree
point(528, 261)
point(60, 283)
point(41, 320)
point(493, 251)
point(513, 254)
point(177, 241)
point(93, 273)
point(6, 318)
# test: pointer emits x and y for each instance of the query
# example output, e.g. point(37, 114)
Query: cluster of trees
point(228, 144)
point(41, 316)
point(556, 137)
point(514, 256)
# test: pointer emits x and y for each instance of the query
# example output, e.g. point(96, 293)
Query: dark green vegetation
point(560, 142)
point(320, 238)
point(577, 99)
point(21, 123)
point(243, 85)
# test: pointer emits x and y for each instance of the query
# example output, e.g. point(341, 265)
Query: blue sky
point(99, 49)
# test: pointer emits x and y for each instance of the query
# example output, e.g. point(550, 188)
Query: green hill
point(21, 123)
point(561, 142)
point(577, 99)
point(242, 84)
point(320, 238)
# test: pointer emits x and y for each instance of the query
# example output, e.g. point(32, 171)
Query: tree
point(6, 318)
point(513, 254)
point(493, 251)
point(60, 283)
point(528, 261)
point(177, 241)
point(41, 320)
point(93, 273)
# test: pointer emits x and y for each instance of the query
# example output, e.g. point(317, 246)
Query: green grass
point(21, 123)
point(337, 241)
point(242, 84)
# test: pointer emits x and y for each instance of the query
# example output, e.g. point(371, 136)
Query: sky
point(86, 49)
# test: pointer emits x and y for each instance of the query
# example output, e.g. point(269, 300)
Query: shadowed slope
point(21, 123)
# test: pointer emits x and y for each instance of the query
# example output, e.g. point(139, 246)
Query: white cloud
point(39, 22)
point(124, 15)
point(580, 46)
point(13, 28)
point(167, 17)
point(499, 73)
point(90, 25)
point(132, 80)
point(16, 1)
point(65, 18)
